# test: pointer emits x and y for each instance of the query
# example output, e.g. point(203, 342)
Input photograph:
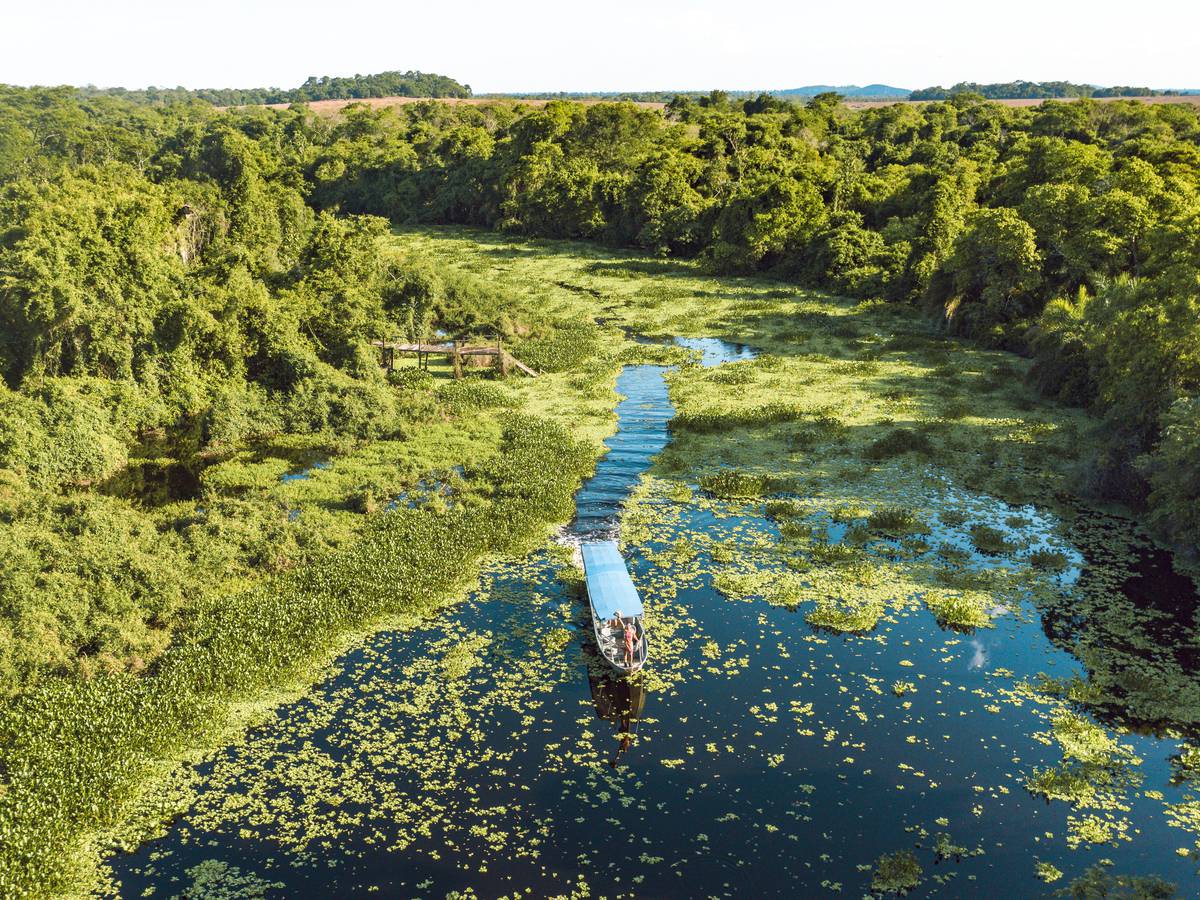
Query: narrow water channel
point(487, 750)
point(642, 418)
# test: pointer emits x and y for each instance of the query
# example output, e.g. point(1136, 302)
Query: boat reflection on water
point(619, 701)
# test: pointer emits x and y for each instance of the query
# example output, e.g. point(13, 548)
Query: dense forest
point(1032, 90)
point(356, 87)
point(163, 266)
point(174, 274)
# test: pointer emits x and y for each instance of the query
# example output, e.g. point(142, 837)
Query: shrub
point(898, 442)
point(794, 530)
point(472, 393)
point(410, 378)
point(802, 439)
point(567, 347)
point(896, 873)
point(239, 412)
point(782, 508)
point(731, 484)
point(63, 435)
point(956, 611)
point(894, 520)
point(1048, 560)
point(955, 409)
point(846, 615)
point(713, 420)
point(732, 373)
point(243, 473)
point(331, 400)
point(835, 554)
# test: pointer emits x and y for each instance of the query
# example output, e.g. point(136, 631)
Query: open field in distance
point(332, 107)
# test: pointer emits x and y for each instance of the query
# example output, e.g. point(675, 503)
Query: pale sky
point(547, 45)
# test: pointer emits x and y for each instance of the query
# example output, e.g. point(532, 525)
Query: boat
point(615, 603)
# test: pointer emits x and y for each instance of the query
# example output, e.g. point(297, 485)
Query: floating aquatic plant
point(962, 612)
point(1048, 560)
point(990, 540)
point(898, 442)
point(894, 520)
point(856, 616)
point(733, 484)
point(1047, 872)
point(896, 873)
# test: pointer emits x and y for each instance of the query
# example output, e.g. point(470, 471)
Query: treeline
point(1032, 90)
point(607, 96)
point(850, 91)
point(357, 87)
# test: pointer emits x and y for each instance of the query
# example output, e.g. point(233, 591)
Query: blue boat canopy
point(610, 588)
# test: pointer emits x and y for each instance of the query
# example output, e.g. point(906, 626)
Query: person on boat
point(615, 624)
point(630, 639)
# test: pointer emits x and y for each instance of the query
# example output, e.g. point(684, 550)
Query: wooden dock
point(457, 351)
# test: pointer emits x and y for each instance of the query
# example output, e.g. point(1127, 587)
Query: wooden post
point(458, 373)
point(501, 362)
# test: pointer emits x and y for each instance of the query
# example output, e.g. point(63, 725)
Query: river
point(486, 749)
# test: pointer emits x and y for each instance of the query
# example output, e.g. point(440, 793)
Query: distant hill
point(1034, 90)
point(356, 87)
point(873, 91)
